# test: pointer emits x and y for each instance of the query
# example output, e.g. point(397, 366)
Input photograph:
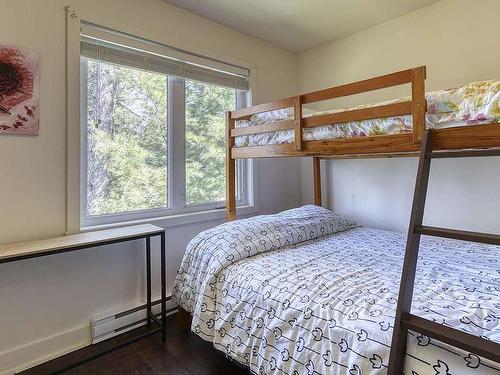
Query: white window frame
point(177, 211)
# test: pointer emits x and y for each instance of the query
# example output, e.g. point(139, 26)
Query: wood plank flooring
point(182, 354)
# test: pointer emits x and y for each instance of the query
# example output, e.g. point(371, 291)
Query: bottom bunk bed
point(310, 292)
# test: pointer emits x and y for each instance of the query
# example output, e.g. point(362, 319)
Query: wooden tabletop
point(48, 246)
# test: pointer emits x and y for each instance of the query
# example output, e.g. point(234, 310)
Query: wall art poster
point(19, 91)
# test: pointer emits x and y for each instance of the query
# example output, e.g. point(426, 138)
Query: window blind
point(117, 48)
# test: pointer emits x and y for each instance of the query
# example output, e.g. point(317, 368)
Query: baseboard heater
point(108, 325)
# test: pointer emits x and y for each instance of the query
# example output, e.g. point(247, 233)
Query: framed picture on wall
point(19, 91)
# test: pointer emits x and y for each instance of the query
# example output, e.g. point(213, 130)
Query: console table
point(34, 249)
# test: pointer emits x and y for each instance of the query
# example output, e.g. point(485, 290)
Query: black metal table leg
point(163, 291)
point(148, 280)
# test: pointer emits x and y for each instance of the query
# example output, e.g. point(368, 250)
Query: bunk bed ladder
point(404, 319)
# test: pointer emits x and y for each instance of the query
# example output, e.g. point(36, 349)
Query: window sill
point(177, 219)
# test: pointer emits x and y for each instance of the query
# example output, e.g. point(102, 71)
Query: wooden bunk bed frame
point(478, 140)
point(394, 145)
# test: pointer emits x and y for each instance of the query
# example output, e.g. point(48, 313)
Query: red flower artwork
point(19, 91)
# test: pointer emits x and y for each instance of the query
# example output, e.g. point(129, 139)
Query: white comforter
point(301, 293)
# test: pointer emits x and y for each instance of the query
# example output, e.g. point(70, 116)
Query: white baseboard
point(36, 352)
point(116, 322)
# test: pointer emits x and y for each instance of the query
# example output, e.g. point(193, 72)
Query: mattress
point(309, 293)
point(474, 104)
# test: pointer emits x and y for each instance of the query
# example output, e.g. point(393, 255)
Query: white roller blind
point(113, 47)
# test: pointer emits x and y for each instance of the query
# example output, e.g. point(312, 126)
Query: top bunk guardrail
point(299, 147)
point(478, 136)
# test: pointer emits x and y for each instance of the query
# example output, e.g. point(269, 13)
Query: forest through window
point(127, 129)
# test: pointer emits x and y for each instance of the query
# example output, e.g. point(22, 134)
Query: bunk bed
point(308, 291)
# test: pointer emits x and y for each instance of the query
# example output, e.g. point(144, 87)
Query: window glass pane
point(126, 139)
point(205, 141)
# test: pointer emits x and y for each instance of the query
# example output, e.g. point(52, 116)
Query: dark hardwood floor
point(183, 353)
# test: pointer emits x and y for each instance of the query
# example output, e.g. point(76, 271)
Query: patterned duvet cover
point(308, 292)
point(473, 104)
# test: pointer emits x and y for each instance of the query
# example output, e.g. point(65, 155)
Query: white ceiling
point(299, 25)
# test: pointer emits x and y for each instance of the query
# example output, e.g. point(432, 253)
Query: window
point(153, 134)
point(126, 139)
point(205, 141)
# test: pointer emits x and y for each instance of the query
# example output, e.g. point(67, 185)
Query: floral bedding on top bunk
point(473, 104)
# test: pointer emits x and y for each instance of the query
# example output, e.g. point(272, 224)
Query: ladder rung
point(493, 239)
point(474, 344)
point(463, 153)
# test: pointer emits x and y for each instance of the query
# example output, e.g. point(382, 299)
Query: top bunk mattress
point(476, 103)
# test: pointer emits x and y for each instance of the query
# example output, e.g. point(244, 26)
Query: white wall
point(457, 40)
point(46, 304)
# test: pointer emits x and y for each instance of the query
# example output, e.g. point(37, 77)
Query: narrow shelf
point(32, 249)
